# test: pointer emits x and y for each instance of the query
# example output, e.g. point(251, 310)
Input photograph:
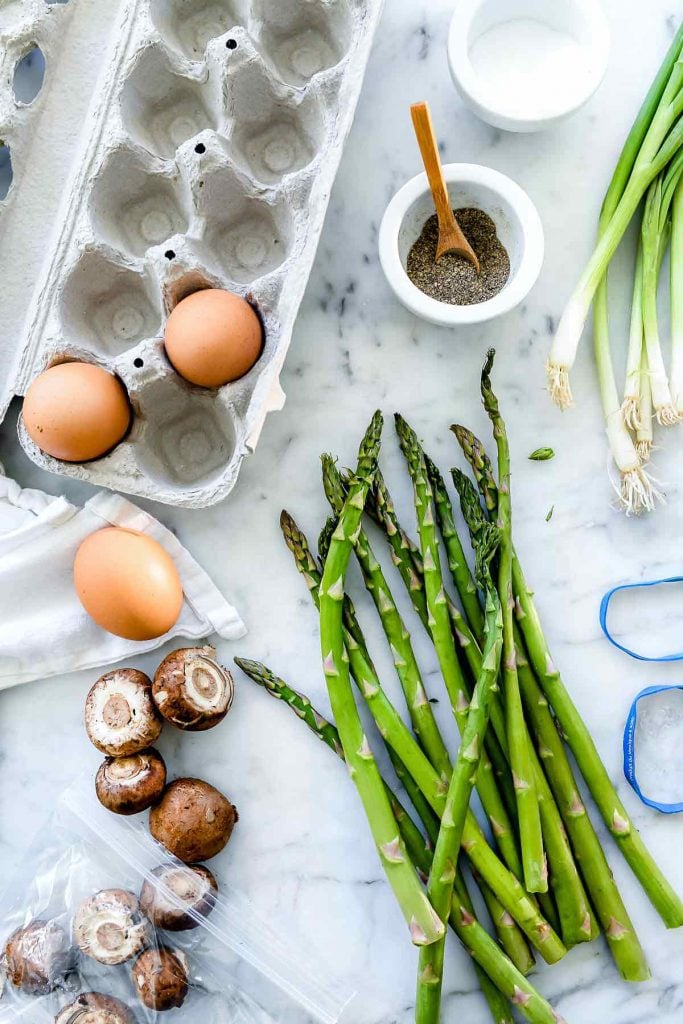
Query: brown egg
point(76, 411)
point(213, 337)
point(128, 584)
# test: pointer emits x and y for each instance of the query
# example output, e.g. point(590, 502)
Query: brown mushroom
point(120, 716)
point(110, 927)
point(38, 958)
point(127, 785)
point(193, 896)
point(192, 820)
point(95, 1008)
point(191, 690)
point(160, 978)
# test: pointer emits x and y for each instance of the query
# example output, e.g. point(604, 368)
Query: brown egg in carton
point(208, 160)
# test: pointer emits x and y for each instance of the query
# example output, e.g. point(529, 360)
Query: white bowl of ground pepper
point(500, 222)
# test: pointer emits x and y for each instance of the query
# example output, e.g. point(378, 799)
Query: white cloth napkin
point(44, 630)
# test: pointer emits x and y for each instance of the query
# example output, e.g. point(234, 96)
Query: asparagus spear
point(509, 934)
point(442, 874)
point(440, 627)
point(425, 925)
point(533, 854)
point(619, 931)
point(507, 888)
point(479, 944)
point(398, 637)
point(457, 563)
point(660, 892)
point(577, 920)
point(410, 567)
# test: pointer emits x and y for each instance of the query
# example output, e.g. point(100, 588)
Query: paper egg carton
point(207, 160)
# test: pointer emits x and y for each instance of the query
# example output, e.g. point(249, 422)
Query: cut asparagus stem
point(531, 835)
point(442, 636)
point(398, 637)
point(479, 944)
point(393, 730)
point(425, 925)
point(659, 890)
point(444, 865)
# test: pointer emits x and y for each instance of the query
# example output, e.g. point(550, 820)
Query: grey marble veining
point(302, 850)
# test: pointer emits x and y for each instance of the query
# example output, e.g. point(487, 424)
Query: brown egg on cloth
point(128, 583)
point(76, 411)
point(213, 337)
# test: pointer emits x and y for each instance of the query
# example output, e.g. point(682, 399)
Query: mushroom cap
point(95, 1008)
point(193, 887)
point(120, 716)
point(127, 785)
point(191, 690)
point(110, 927)
point(160, 978)
point(38, 958)
point(193, 820)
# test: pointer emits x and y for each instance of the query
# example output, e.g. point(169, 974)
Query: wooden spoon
point(451, 238)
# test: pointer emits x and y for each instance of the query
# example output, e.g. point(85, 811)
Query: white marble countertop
point(302, 851)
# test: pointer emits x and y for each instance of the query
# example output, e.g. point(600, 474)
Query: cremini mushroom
point(110, 926)
point(192, 896)
point(37, 958)
point(127, 785)
point(191, 690)
point(95, 1008)
point(192, 820)
point(160, 977)
point(120, 716)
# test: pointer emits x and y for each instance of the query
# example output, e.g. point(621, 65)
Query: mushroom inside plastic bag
point(101, 925)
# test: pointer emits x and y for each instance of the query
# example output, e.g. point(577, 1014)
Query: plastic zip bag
point(225, 967)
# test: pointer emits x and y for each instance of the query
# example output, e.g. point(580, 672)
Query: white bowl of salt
point(523, 65)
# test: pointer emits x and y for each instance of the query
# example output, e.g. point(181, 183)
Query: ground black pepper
point(453, 279)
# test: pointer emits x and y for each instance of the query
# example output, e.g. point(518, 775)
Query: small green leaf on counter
point(542, 455)
point(550, 513)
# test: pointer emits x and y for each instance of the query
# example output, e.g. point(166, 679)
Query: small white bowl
point(517, 223)
point(584, 20)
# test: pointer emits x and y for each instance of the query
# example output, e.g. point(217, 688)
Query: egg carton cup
point(207, 160)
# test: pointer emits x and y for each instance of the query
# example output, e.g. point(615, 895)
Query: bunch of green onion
point(648, 175)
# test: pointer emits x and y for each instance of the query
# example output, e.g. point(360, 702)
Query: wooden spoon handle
point(426, 140)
